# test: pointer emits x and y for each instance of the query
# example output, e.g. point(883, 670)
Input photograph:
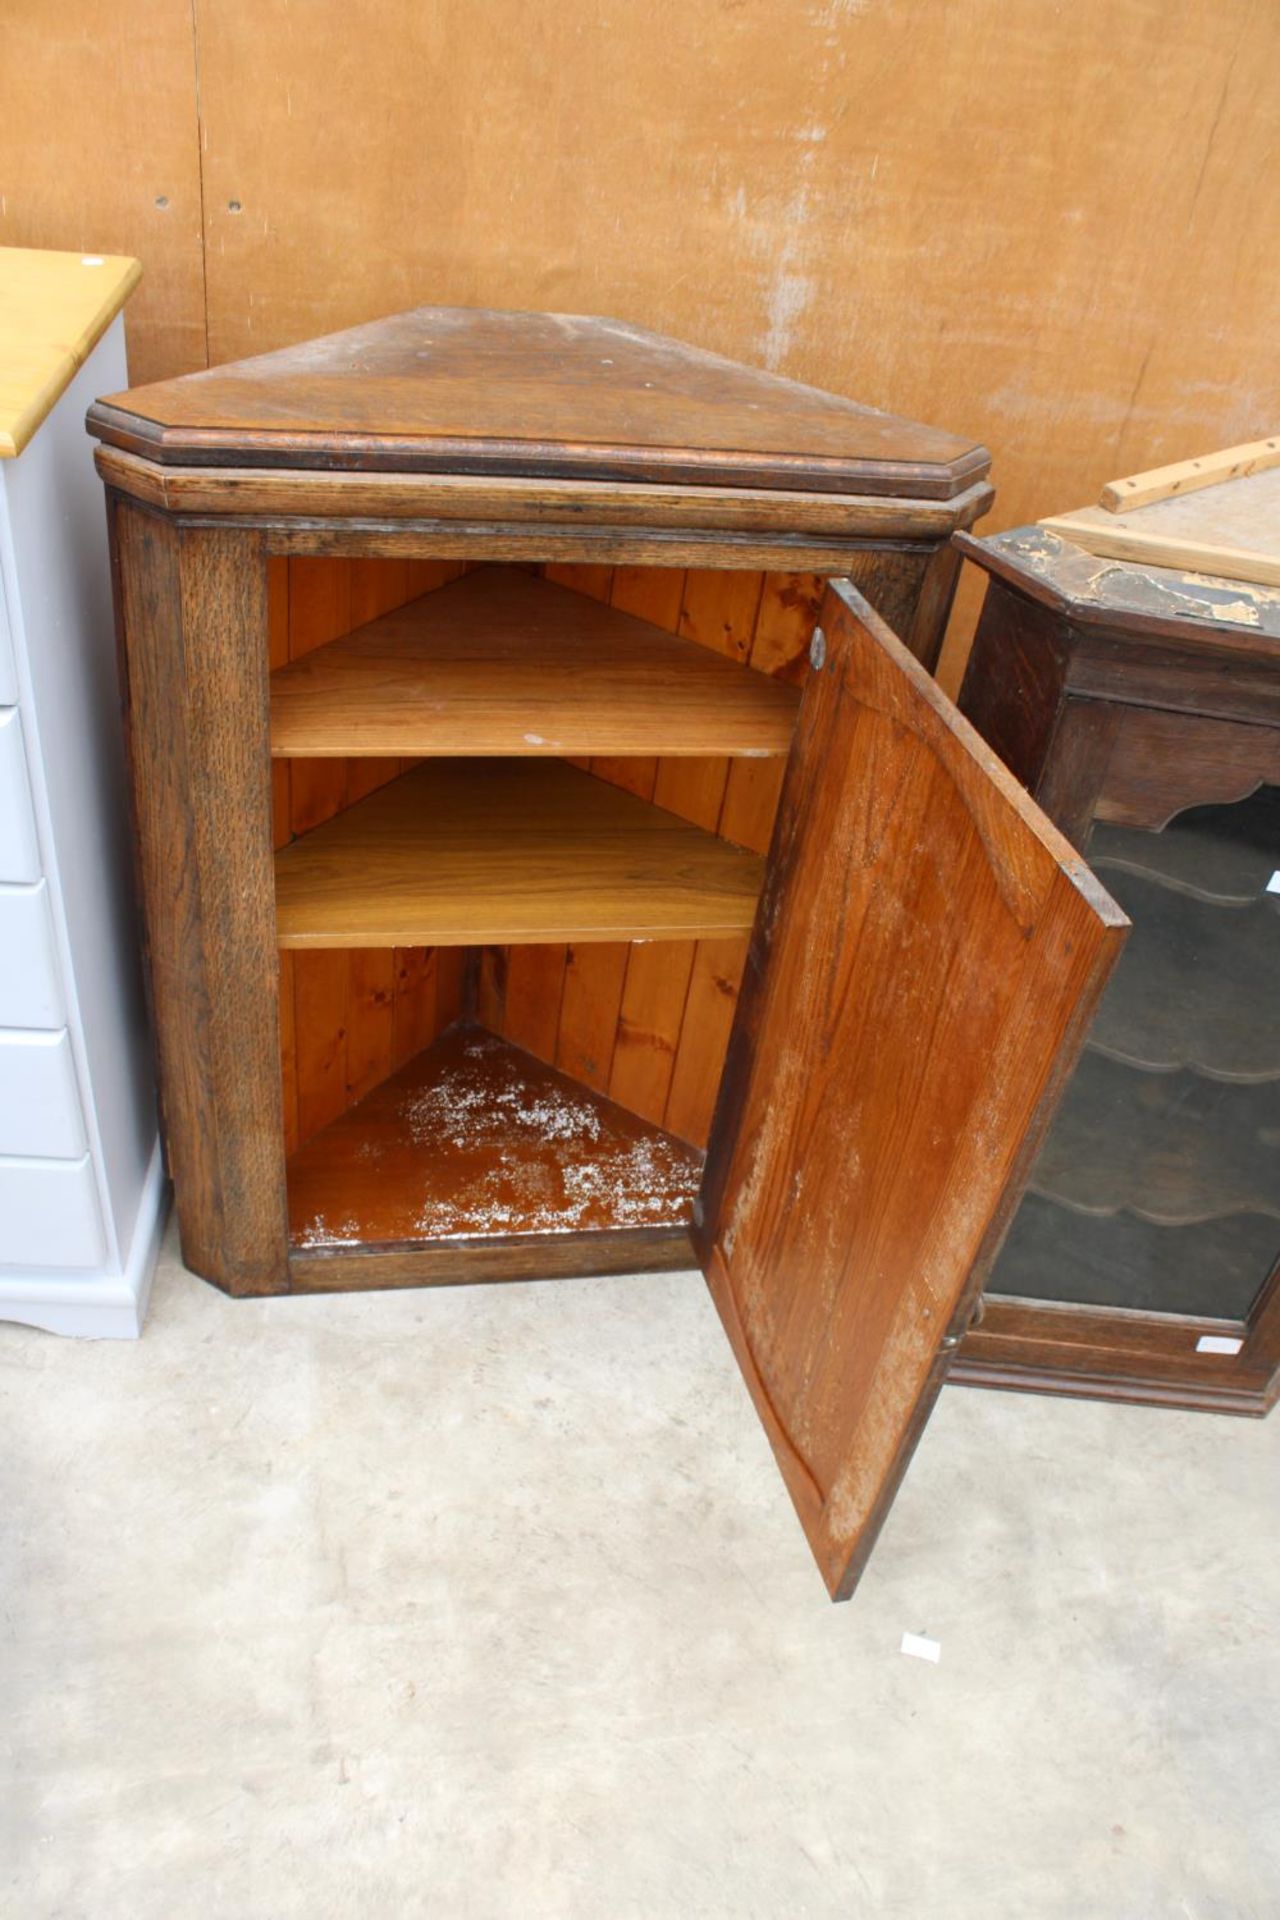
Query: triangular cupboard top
point(539, 395)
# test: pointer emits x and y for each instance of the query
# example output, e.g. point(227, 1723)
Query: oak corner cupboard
point(548, 871)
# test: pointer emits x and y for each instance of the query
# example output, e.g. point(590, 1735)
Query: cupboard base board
point(512, 1257)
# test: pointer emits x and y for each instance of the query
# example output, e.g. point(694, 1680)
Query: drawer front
point(30, 991)
point(39, 1100)
point(49, 1214)
point(19, 849)
point(8, 671)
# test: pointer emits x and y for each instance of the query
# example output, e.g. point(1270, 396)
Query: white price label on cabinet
point(1218, 1343)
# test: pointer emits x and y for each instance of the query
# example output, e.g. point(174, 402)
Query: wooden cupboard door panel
point(926, 957)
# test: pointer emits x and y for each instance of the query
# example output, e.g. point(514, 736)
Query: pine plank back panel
point(646, 1022)
point(347, 1019)
point(649, 1023)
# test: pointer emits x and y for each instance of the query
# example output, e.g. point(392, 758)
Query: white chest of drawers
point(81, 1179)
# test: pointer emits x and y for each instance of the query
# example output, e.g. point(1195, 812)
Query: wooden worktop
point(54, 308)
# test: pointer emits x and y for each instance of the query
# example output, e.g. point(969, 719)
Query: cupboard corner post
point(192, 616)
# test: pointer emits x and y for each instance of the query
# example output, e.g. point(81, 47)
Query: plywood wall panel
point(101, 154)
point(1054, 228)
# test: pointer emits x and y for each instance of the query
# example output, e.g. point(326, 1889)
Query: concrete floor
point(490, 1602)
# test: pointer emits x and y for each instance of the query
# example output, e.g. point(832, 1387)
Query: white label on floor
point(1273, 884)
point(922, 1647)
point(1218, 1343)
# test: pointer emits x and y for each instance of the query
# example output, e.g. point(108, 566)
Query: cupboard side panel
point(193, 606)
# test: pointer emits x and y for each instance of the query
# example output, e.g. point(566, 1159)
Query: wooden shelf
point(500, 662)
point(1172, 1148)
point(509, 852)
point(475, 1140)
point(1220, 854)
point(1195, 986)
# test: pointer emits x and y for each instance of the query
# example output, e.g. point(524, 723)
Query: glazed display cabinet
point(547, 871)
point(1141, 705)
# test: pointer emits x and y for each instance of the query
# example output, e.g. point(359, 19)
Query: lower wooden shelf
point(477, 1149)
point(509, 852)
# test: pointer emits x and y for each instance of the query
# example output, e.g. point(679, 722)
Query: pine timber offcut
point(1230, 531)
point(500, 662)
point(476, 1142)
point(464, 852)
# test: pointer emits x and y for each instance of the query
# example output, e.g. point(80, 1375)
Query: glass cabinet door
point(1158, 1188)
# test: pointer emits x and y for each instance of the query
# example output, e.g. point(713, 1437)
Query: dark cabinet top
point(1130, 596)
point(462, 390)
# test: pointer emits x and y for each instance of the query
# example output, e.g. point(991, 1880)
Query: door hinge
point(973, 1318)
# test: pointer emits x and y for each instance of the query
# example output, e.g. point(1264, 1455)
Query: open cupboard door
point(926, 958)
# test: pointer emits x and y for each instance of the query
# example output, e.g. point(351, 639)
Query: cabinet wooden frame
point(1130, 714)
point(925, 952)
point(200, 759)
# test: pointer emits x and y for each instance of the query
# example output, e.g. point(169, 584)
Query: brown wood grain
point(278, 656)
point(927, 952)
point(650, 1021)
point(594, 977)
point(1163, 762)
point(539, 512)
point(460, 853)
point(196, 710)
point(705, 1025)
point(577, 542)
point(475, 1139)
point(535, 1256)
point(1015, 680)
point(442, 389)
point(500, 663)
point(319, 611)
point(1142, 1359)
